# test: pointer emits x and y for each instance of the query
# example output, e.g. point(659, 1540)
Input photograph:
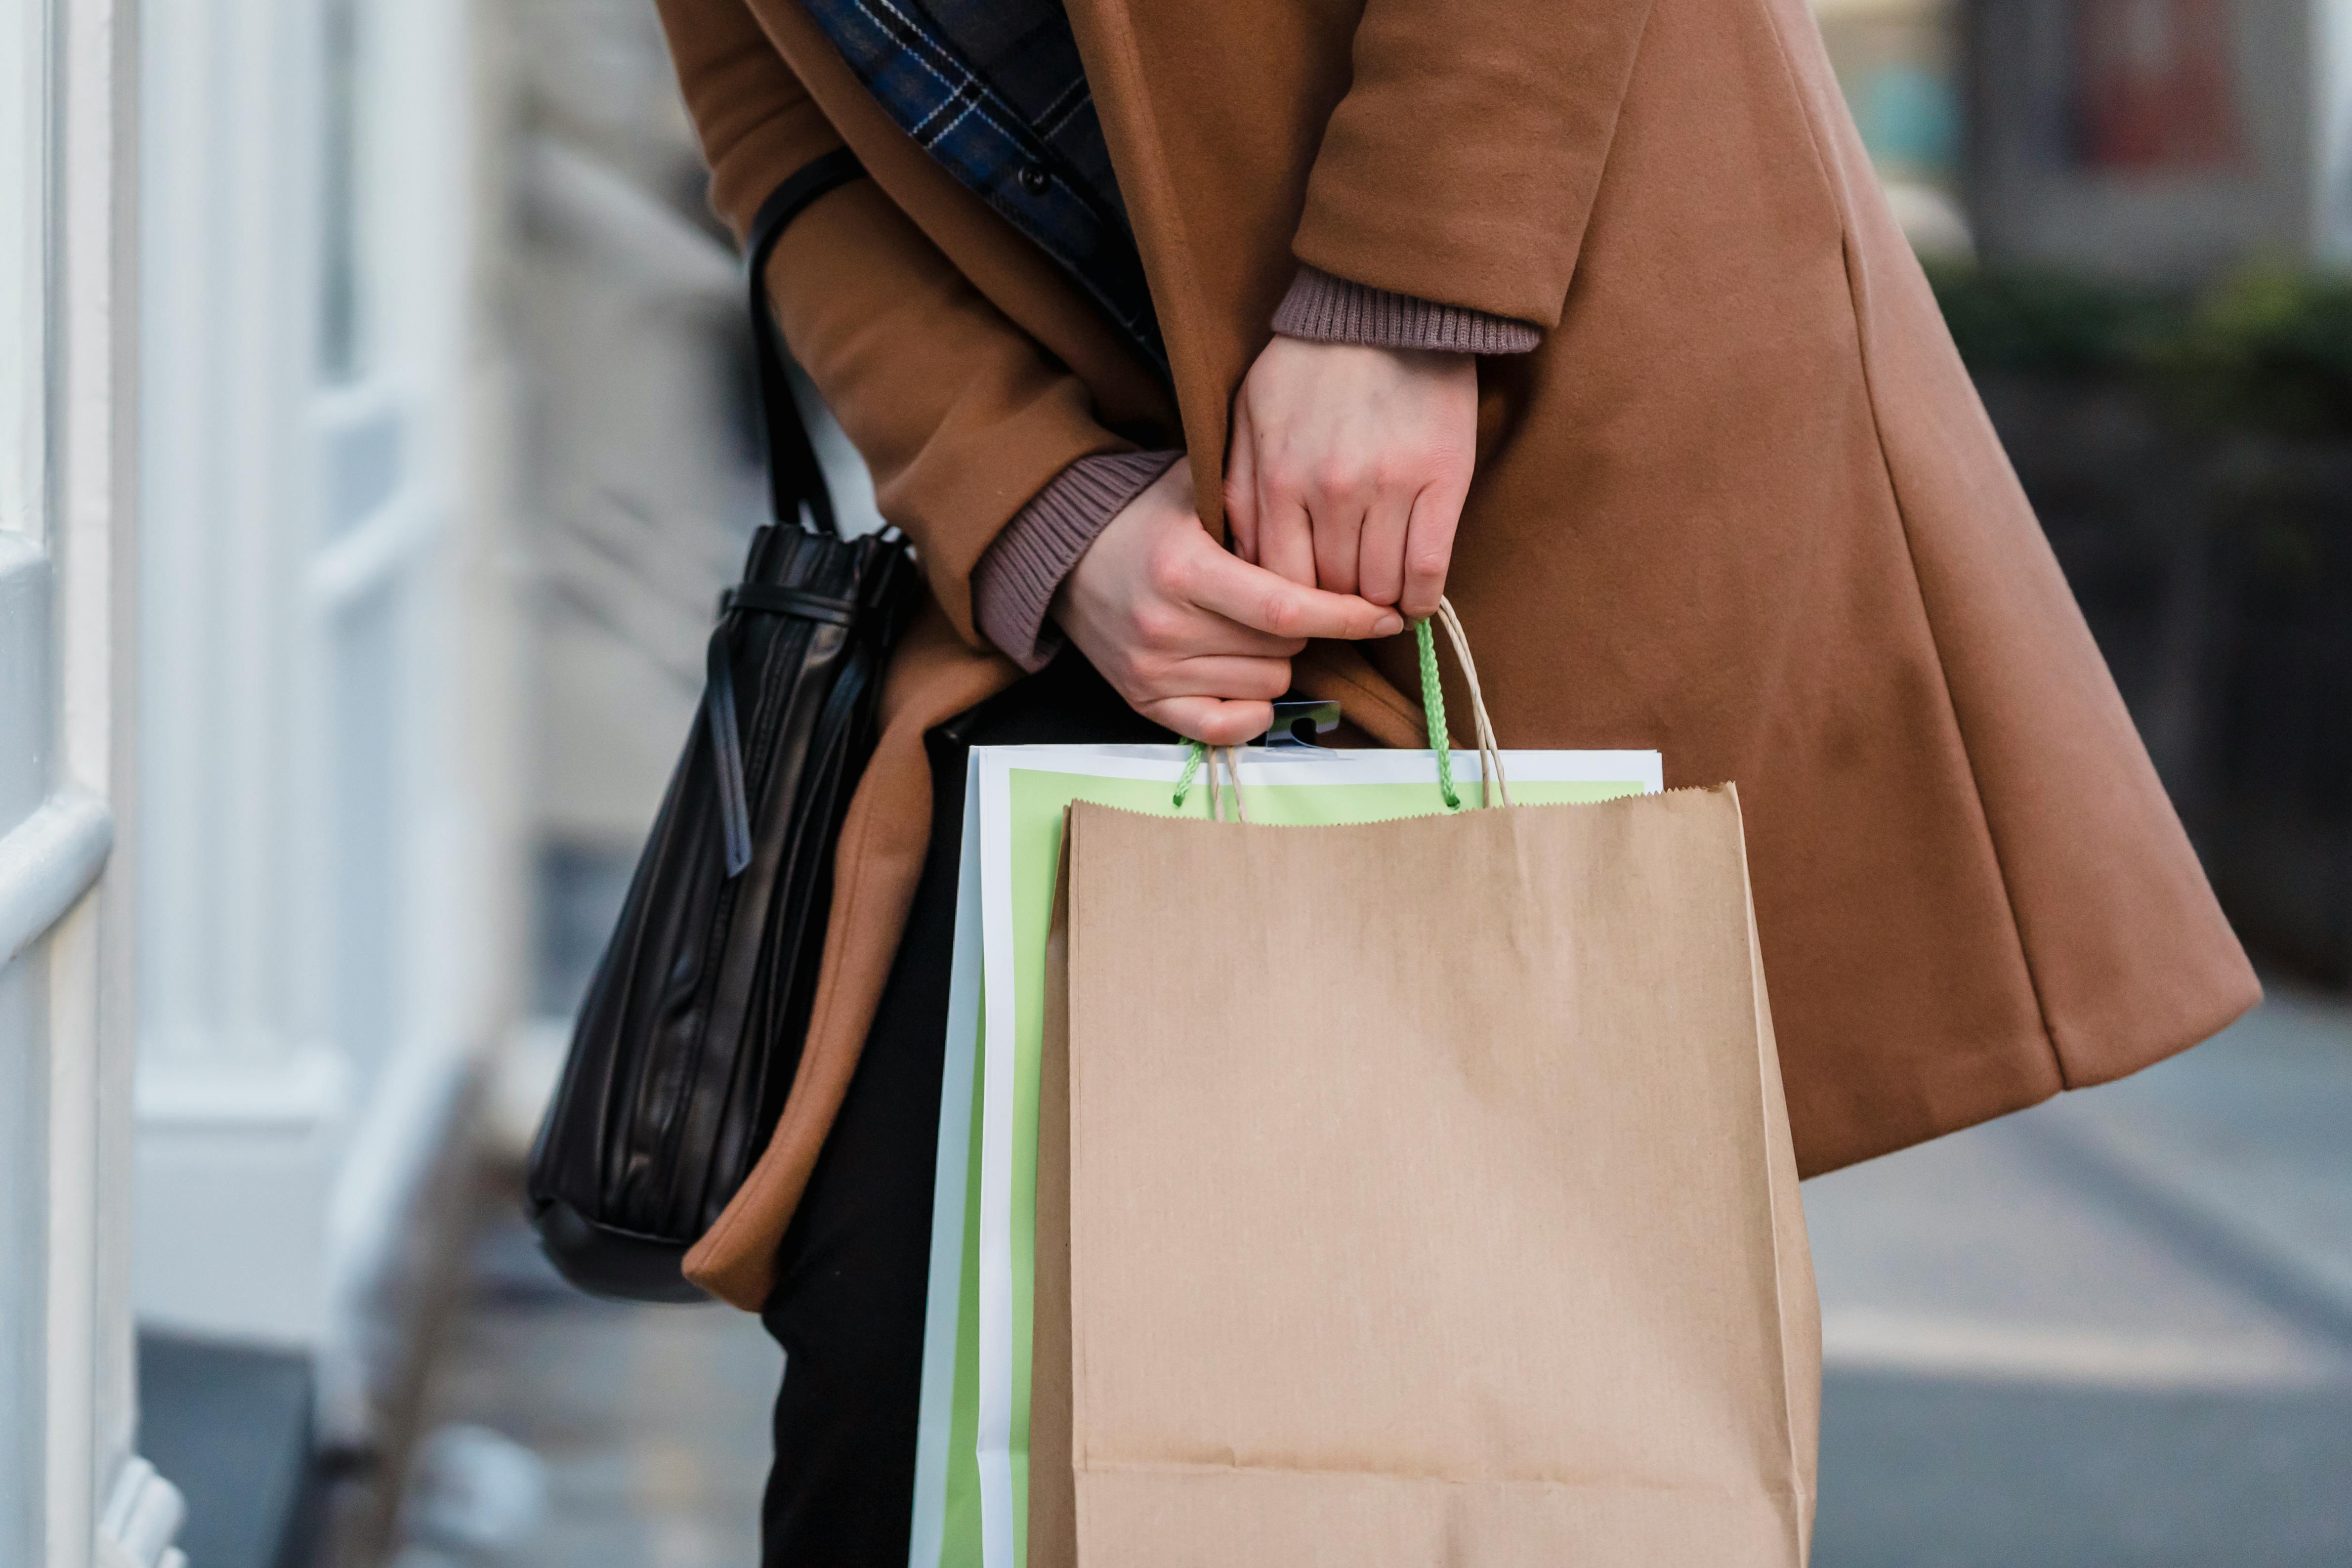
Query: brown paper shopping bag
point(1429, 1199)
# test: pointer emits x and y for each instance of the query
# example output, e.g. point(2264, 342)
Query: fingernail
point(1388, 627)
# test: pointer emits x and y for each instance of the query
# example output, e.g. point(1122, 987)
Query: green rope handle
point(1433, 707)
point(1193, 756)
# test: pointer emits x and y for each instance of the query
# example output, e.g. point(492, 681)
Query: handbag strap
point(796, 479)
point(769, 599)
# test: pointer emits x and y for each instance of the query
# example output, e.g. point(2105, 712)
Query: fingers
point(1241, 491)
point(1338, 510)
point(1350, 464)
point(1429, 546)
point(1256, 598)
point(1221, 699)
point(1380, 550)
point(1178, 624)
point(1286, 531)
point(1219, 723)
point(1235, 679)
point(1149, 676)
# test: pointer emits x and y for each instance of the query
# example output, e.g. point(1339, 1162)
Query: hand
point(1348, 467)
point(1194, 638)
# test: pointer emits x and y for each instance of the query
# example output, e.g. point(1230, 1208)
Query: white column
point(241, 1091)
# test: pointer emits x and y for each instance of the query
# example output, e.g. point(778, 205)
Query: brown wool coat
point(1742, 505)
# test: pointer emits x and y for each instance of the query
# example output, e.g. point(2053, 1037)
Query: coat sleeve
point(1487, 211)
point(960, 414)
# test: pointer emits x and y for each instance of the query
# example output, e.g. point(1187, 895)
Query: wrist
point(1018, 578)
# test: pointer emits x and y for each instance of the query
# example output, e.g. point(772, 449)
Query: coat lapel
point(998, 260)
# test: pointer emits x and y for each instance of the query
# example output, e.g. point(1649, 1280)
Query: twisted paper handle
point(1199, 752)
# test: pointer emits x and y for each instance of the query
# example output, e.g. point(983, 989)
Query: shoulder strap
point(794, 477)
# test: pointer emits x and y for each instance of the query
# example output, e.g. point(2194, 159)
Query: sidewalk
point(2115, 1329)
point(562, 1431)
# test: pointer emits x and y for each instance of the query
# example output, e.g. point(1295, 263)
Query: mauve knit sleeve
point(1325, 308)
point(1016, 580)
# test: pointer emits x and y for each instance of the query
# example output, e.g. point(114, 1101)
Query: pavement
point(231, 1425)
point(2113, 1331)
point(562, 1431)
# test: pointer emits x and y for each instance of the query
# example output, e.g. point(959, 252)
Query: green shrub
point(2265, 348)
point(2268, 350)
point(2050, 322)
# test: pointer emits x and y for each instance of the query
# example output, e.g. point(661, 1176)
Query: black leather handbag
point(692, 1027)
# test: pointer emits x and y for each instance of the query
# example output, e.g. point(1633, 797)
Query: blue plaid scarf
point(994, 90)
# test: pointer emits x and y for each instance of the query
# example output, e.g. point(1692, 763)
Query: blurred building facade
point(1898, 64)
point(331, 734)
point(2161, 139)
point(643, 486)
point(2165, 140)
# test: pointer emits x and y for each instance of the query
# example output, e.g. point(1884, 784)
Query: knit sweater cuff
point(1016, 580)
point(1325, 308)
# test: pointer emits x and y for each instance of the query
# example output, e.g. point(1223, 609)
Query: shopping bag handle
point(1492, 787)
point(1199, 752)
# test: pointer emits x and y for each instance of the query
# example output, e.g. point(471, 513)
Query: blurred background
point(445, 457)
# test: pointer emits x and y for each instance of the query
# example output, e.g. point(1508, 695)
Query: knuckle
point(1156, 626)
point(1170, 571)
point(1281, 484)
point(1280, 614)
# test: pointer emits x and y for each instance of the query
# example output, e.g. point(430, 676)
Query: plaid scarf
point(994, 90)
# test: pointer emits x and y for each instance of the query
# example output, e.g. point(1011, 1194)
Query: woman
point(1592, 316)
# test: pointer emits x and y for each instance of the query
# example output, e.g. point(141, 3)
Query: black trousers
point(852, 1271)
